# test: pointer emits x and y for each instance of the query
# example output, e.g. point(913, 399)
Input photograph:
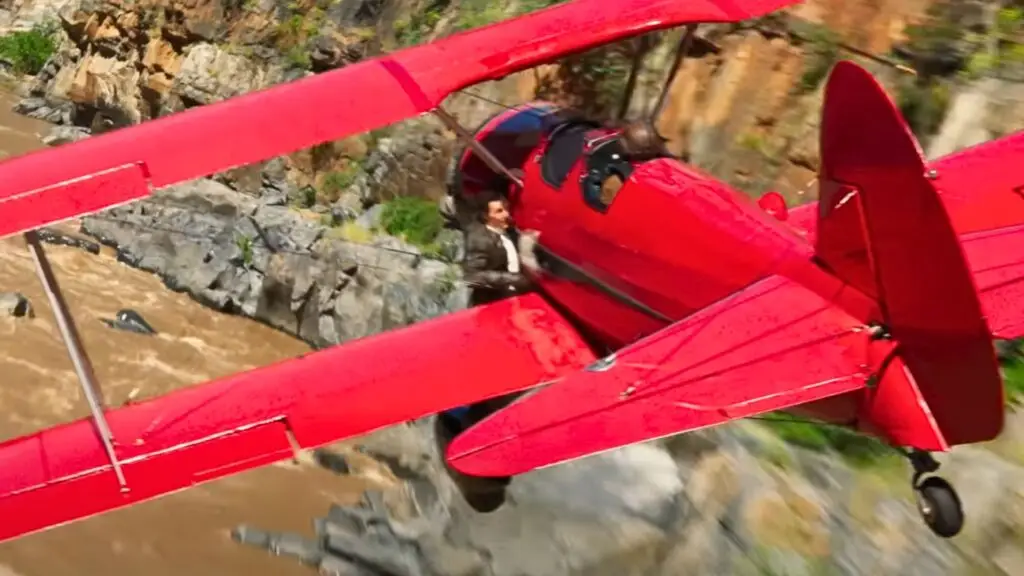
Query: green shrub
point(28, 50)
point(923, 104)
point(415, 219)
point(855, 447)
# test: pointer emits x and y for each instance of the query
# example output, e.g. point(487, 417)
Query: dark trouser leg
point(482, 494)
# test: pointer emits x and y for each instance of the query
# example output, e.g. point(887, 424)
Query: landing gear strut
point(937, 501)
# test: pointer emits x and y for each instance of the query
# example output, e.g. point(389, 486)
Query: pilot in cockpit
point(641, 141)
point(638, 141)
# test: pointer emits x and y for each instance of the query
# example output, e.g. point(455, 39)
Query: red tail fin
point(883, 229)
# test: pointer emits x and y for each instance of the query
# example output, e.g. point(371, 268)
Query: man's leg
point(483, 494)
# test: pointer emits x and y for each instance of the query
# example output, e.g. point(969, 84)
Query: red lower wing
point(249, 420)
point(769, 347)
point(981, 188)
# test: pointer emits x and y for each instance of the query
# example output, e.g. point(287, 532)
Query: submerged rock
point(129, 321)
point(15, 304)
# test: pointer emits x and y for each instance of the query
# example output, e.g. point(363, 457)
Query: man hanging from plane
point(493, 270)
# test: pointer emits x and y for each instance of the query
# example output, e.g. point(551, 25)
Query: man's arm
point(475, 269)
point(528, 250)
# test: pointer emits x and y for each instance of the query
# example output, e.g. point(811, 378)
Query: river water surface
point(185, 533)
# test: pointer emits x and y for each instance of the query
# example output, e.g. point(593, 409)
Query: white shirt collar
point(510, 250)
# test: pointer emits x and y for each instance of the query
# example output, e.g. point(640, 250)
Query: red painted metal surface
point(913, 255)
point(679, 241)
point(240, 422)
point(725, 307)
point(170, 443)
point(982, 190)
point(511, 136)
point(775, 205)
point(76, 198)
point(774, 345)
point(290, 117)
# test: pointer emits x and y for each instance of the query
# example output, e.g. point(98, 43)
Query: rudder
point(883, 229)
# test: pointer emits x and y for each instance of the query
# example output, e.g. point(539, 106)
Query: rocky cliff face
point(734, 500)
point(291, 242)
point(270, 263)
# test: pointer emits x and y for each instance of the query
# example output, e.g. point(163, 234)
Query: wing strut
point(476, 146)
point(682, 49)
point(73, 342)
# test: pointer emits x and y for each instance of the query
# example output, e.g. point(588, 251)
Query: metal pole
point(477, 147)
point(681, 50)
point(76, 351)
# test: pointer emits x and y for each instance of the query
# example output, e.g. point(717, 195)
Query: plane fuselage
point(671, 241)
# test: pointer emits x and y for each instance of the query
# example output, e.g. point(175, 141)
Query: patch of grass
point(351, 232)
point(308, 196)
point(471, 14)
point(414, 29)
point(934, 43)
point(924, 104)
point(295, 31)
point(414, 219)
point(244, 244)
point(856, 448)
point(527, 6)
point(822, 55)
point(867, 450)
point(337, 181)
point(477, 13)
point(1009, 20)
point(1013, 383)
point(28, 51)
point(594, 81)
point(753, 141)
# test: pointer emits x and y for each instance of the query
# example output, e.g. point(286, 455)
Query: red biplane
point(874, 308)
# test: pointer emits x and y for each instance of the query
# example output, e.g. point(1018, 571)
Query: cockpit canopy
point(606, 165)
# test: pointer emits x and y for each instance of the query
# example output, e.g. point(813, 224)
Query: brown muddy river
point(185, 533)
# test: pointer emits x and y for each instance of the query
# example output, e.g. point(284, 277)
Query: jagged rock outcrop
point(271, 263)
point(734, 500)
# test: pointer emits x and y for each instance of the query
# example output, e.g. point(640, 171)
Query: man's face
point(497, 215)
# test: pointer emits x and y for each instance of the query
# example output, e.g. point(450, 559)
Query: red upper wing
point(981, 188)
point(242, 422)
point(333, 105)
point(769, 347)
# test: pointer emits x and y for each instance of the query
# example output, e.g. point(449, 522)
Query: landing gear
point(937, 501)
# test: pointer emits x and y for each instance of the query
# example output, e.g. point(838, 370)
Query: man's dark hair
point(641, 141)
point(483, 202)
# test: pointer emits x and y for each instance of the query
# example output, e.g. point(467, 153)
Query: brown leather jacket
point(485, 268)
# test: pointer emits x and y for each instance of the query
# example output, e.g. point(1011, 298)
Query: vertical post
point(73, 343)
point(681, 50)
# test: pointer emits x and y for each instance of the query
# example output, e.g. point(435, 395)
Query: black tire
point(940, 507)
